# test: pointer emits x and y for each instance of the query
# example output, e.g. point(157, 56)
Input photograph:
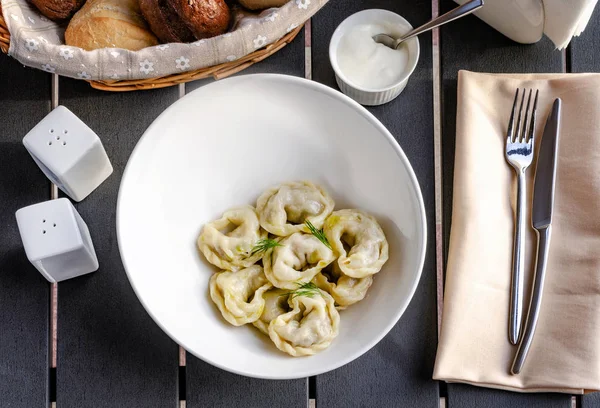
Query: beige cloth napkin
point(473, 345)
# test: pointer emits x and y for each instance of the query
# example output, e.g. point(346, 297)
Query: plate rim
point(330, 92)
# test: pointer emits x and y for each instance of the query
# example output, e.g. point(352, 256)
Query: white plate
point(221, 146)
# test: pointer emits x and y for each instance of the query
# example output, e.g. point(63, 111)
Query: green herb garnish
point(318, 233)
point(264, 245)
point(307, 289)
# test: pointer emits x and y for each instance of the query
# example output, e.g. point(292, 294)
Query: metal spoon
point(452, 15)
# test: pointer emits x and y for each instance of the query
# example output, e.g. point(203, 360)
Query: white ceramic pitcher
point(519, 20)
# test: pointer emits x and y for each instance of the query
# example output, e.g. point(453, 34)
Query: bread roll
point(109, 23)
point(58, 9)
point(165, 22)
point(205, 18)
point(262, 4)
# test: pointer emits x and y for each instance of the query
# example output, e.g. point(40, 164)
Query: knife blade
point(541, 219)
point(545, 171)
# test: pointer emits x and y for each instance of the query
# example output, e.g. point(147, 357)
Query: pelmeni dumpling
point(227, 242)
point(309, 327)
point(358, 241)
point(284, 209)
point(297, 260)
point(345, 290)
point(276, 304)
point(239, 295)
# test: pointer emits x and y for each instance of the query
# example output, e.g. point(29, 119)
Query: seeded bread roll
point(58, 9)
point(165, 22)
point(109, 23)
point(205, 18)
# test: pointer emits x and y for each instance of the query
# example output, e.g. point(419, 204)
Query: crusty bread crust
point(165, 22)
point(58, 9)
point(205, 18)
point(262, 4)
point(109, 23)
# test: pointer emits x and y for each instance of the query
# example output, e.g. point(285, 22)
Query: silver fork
point(519, 154)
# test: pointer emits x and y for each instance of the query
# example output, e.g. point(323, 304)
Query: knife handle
point(518, 265)
point(536, 299)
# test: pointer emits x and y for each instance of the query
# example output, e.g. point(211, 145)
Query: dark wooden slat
point(470, 44)
point(110, 352)
point(585, 58)
point(208, 386)
point(590, 400)
point(24, 293)
point(467, 396)
point(584, 49)
point(397, 372)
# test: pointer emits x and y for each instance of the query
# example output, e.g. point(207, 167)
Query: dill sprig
point(318, 233)
point(307, 289)
point(264, 245)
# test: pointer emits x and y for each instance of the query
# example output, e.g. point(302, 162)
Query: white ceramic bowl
point(221, 146)
point(391, 24)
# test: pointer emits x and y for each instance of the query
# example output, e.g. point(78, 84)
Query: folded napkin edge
point(576, 391)
point(522, 76)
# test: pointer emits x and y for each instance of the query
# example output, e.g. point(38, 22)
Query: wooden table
point(88, 342)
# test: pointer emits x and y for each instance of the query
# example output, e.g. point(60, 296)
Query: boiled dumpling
point(284, 209)
point(239, 295)
point(276, 304)
point(358, 241)
point(309, 327)
point(345, 290)
point(228, 242)
point(297, 260)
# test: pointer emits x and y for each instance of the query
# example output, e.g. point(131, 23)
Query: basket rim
point(217, 72)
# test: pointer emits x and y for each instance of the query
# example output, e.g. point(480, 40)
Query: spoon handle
point(452, 15)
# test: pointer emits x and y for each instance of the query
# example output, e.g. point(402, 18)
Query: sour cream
point(367, 64)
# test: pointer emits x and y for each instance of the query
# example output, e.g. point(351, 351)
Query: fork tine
point(518, 128)
point(511, 122)
point(523, 133)
point(531, 131)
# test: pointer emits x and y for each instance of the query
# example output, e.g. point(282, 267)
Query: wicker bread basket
point(217, 71)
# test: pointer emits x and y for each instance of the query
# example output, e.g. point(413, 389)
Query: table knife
point(541, 218)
